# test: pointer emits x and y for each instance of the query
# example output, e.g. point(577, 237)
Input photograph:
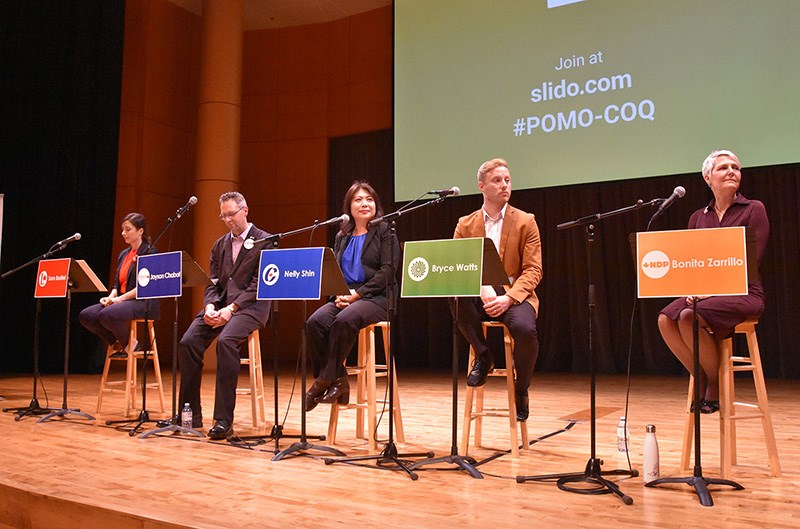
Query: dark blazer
point(379, 256)
point(150, 308)
point(238, 282)
point(130, 281)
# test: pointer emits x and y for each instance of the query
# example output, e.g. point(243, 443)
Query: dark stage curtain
point(425, 325)
point(59, 94)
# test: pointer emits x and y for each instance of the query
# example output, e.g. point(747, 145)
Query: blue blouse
point(351, 260)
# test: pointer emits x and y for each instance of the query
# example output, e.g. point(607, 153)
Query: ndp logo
point(655, 264)
point(270, 274)
point(418, 269)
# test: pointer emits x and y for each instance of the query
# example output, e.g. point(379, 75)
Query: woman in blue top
point(367, 256)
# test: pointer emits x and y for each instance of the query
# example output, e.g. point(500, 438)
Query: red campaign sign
point(52, 278)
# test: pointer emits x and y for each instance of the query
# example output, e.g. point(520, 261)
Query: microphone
point(677, 193)
point(68, 240)
point(182, 211)
point(455, 191)
point(343, 218)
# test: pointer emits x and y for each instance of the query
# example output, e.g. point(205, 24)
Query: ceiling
point(270, 14)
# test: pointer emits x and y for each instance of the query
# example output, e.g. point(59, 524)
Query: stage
point(78, 473)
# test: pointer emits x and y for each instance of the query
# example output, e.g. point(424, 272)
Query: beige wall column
point(218, 126)
point(218, 120)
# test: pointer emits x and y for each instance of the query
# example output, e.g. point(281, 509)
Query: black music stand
point(333, 284)
point(34, 408)
point(81, 279)
point(492, 273)
point(191, 276)
point(699, 482)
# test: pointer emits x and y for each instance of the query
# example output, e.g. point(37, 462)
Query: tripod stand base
point(590, 481)
point(32, 409)
point(172, 428)
point(63, 412)
point(144, 416)
point(700, 485)
point(389, 458)
point(302, 446)
point(462, 462)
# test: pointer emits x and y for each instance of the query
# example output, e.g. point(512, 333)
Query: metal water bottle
point(650, 471)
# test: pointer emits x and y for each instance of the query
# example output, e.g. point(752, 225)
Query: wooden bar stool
point(367, 372)
point(728, 366)
point(256, 388)
point(131, 370)
point(481, 412)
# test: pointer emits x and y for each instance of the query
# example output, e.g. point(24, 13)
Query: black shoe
point(480, 370)
point(709, 406)
point(222, 429)
point(317, 389)
point(338, 392)
point(523, 410)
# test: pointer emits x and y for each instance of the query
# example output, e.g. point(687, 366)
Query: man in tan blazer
point(516, 237)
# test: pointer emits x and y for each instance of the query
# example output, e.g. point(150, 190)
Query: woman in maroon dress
point(717, 316)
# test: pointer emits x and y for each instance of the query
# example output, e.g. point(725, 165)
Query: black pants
point(332, 333)
point(521, 322)
point(191, 350)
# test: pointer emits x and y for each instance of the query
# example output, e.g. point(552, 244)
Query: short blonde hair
point(708, 163)
point(490, 165)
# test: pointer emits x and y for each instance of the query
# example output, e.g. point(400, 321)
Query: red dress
point(723, 313)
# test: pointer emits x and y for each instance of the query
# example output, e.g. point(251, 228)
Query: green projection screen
point(576, 91)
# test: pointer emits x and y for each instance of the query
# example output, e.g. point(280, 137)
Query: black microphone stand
point(144, 415)
point(34, 408)
point(591, 480)
point(390, 454)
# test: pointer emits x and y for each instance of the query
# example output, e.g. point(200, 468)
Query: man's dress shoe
point(480, 370)
point(338, 392)
point(317, 389)
point(221, 430)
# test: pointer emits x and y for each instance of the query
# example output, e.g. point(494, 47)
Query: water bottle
point(623, 435)
point(186, 416)
point(650, 471)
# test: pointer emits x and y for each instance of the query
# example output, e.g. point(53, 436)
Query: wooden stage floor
point(77, 473)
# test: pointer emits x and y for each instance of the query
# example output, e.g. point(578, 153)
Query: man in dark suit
point(516, 237)
point(231, 313)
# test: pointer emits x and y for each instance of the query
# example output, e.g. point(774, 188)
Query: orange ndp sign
point(53, 278)
point(704, 262)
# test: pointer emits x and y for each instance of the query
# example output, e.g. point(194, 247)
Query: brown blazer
point(520, 250)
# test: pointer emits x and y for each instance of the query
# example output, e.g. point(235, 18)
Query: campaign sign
point(290, 273)
point(53, 278)
point(159, 275)
point(704, 262)
point(449, 267)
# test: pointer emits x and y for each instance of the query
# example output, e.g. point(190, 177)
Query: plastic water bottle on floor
point(186, 416)
point(651, 470)
point(623, 435)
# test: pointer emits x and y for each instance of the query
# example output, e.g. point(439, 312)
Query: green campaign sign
point(450, 267)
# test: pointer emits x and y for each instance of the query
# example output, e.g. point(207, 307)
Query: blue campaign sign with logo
point(159, 275)
point(290, 273)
